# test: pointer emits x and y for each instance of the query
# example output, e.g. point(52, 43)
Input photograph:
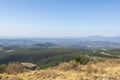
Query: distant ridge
point(87, 38)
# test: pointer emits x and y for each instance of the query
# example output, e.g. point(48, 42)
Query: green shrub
point(2, 68)
point(83, 59)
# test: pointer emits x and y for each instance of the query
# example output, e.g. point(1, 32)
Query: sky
point(59, 18)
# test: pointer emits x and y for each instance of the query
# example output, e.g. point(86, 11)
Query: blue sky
point(59, 18)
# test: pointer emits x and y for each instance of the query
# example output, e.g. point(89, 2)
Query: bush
point(2, 68)
point(14, 68)
point(83, 59)
point(67, 66)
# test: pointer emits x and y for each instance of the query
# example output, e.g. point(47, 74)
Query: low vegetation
point(59, 64)
point(51, 57)
point(14, 68)
point(2, 68)
point(107, 70)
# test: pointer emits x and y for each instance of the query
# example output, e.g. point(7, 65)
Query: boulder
point(30, 66)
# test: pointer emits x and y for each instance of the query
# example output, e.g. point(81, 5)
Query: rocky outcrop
point(30, 66)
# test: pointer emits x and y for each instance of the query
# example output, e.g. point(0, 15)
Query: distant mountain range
point(102, 38)
point(88, 38)
point(90, 42)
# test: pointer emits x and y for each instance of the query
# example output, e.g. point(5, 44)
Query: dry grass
point(109, 70)
point(14, 68)
point(15, 78)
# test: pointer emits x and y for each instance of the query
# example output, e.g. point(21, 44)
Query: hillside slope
point(109, 70)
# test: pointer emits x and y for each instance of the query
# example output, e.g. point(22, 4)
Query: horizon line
point(17, 37)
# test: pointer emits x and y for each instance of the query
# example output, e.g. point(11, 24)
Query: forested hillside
point(46, 57)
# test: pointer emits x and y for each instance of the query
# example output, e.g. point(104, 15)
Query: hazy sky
point(59, 18)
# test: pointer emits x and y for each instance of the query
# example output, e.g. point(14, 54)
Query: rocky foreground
point(108, 70)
